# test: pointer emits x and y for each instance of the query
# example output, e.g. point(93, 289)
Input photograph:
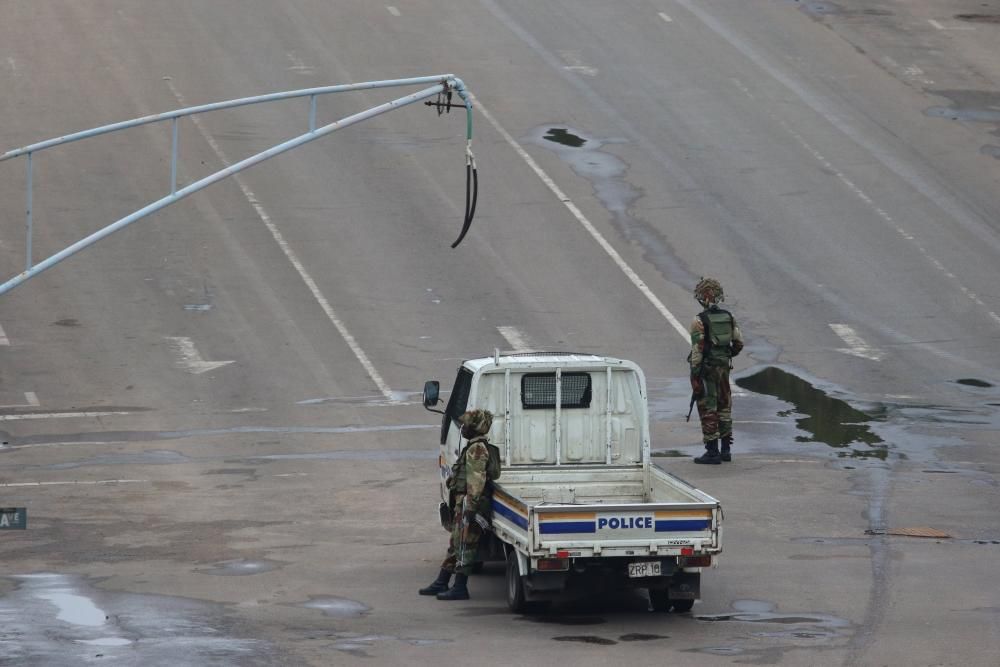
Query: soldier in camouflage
point(470, 500)
point(715, 340)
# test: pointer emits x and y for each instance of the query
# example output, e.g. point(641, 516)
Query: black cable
point(471, 197)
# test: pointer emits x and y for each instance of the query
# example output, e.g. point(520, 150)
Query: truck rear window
point(538, 391)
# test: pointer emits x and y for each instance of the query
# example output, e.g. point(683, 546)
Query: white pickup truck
point(579, 507)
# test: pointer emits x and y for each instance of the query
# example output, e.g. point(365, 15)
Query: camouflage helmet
point(479, 421)
point(708, 290)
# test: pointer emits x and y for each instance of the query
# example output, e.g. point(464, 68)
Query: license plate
point(644, 569)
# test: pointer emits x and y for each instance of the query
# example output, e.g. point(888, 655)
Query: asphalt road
point(833, 164)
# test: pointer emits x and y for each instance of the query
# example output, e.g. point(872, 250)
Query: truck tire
point(681, 606)
point(515, 586)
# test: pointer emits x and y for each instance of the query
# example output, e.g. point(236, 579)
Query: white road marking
point(582, 219)
point(81, 482)
point(32, 399)
point(940, 26)
point(855, 344)
point(666, 18)
point(292, 257)
point(517, 340)
point(61, 415)
point(574, 63)
point(13, 67)
point(392, 10)
point(65, 443)
point(190, 359)
point(298, 65)
point(3, 337)
point(943, 200)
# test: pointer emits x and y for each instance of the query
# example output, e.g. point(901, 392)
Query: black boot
point(460, 591)
point(727, 443)
point(711, 455)
point(440, 584)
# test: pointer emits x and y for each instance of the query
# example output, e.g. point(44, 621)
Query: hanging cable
point(471, 191)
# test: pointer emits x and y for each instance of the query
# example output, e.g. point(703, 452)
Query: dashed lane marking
point(3, 337)
point(79, 482)
point(517, 340)
point(60, 415)
point(665, 17)
point(392, 10)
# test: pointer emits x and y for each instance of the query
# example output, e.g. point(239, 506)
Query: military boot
point(727, 443)
point(711, 455)
point(440, 584)
point(460, 591)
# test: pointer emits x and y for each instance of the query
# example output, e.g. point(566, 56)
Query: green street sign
point(13, 518)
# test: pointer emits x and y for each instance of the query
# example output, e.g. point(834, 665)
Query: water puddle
point(586, 639)
point(357, 644)
point(62, 620)
point(561, 135)
point(827, 420)
point(819, 626)
point(974, 382)
point(338, 607)
point(239, 568)
point(979, 18)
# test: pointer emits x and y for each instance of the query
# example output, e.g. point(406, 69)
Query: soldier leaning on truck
point(470, 499)
point(715, 340)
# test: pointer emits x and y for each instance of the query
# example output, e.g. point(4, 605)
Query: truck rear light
point(697, 561)
point(687, 551)
point(552, 564)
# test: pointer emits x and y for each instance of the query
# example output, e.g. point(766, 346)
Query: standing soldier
point(470, 487)
point(715, 340)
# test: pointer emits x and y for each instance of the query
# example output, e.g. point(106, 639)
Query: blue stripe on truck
point(509, 514)
point(555, 527)
point(682, 525)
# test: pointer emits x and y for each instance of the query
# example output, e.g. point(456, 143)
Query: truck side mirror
point(432, 389)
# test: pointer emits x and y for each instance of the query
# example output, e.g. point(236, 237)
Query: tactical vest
point(457, 482)
point(719, 325)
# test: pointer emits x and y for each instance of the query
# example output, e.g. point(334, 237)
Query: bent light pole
point(443, 85)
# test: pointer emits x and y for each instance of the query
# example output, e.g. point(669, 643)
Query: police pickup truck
point(579, 507)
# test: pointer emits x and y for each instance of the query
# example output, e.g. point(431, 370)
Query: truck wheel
point(660, 599)
point(515, 586)
point(681, 606)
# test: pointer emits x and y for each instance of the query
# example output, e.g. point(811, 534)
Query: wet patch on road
point(641, 637)
point(586, 639)
point(759, 611)
point(565, 620)
point(975, 382)
point(828, 420)
point(337, 607)
point(979, 18)
point(238, 568)
point(357, 644)
point(61, 620)
point(607, 175)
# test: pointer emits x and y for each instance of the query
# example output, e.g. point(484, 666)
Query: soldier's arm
point(697, 344)
point(737, 342)
point(476, 458)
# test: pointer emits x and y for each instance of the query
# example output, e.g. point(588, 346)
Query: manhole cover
point(920, 531)
point(979, 18)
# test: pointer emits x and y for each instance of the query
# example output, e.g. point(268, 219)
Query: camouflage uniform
point(710, 366)
point(470, 500)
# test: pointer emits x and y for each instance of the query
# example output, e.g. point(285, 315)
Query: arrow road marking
point(190, 359)
point(856, 345)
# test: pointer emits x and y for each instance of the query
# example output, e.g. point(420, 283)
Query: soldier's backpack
point(718, 325)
